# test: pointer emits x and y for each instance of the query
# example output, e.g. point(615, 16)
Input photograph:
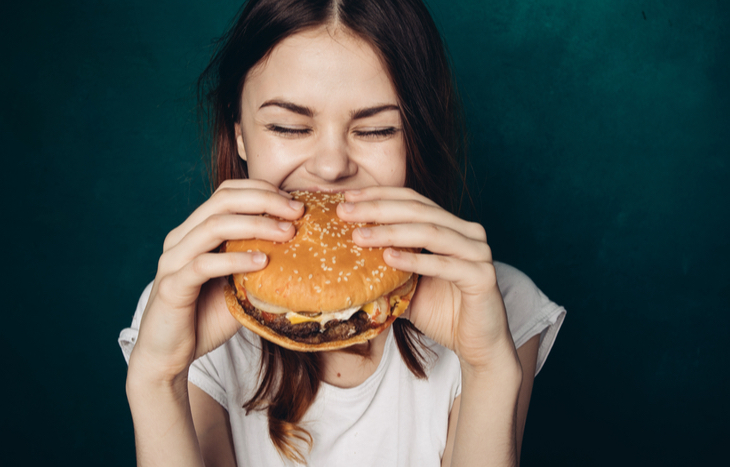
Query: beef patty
point(309, 332)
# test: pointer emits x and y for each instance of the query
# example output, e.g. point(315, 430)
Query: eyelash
point(304, 131)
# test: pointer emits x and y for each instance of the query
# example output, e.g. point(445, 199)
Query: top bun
point(320, 269)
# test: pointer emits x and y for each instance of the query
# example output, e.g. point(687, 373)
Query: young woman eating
point(350, 96)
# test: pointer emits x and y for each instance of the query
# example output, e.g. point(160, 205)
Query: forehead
point(321, 66)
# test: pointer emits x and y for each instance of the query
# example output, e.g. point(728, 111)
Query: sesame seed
point(339, 279)
point(310, 276)
point(327, 282)
point(316, 254)
point(371, 287)
point(294, 255)
point(296, 272)
point(323, 259)
point(354, 267)
point(281, 269)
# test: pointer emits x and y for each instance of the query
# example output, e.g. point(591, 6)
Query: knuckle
point(166, 287)
point(489, 273)
point(485, 253)
point(225, 185)
point(222, 195)
point(478, 231)
point(416, 206)
point(162, 263)
point(171, 239)
point(431, 231)
point(214, 223)
point(199, 266)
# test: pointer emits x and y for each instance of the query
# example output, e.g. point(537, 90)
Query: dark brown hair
point(404, 35)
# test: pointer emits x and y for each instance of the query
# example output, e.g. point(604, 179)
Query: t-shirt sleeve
point(128, 336)
point(529, 311)
point(203, 372)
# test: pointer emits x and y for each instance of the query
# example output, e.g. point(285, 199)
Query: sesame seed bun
point(318, 272)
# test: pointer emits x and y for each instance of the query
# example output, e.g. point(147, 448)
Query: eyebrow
point(298, 109)
point(307, 112)
point(370, 111)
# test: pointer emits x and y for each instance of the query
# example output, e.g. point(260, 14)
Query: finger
point(408, 211)
point(432, 237)
point(210, 233)
point(386, 192)
point(469, 276)
point(231, 200)
point(252, 183)
point(183, 287)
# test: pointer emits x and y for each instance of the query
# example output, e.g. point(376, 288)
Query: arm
point(186, 317)
point(163, 425)
point(458, 304)
point(213, 429)
point(528, 360)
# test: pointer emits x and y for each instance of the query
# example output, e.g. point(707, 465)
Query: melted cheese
point(377, 309)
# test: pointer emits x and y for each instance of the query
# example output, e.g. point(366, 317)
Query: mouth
point(323, 189)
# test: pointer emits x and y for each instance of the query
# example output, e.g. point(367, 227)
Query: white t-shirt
point(391, 419)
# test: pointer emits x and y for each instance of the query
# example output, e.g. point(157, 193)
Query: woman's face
point(321, 113)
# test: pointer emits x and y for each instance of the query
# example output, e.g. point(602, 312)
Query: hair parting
point(403, 33)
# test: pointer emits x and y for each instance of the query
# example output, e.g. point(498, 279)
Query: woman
point(350, 96)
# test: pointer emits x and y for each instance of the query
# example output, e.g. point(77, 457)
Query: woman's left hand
point(457, 303)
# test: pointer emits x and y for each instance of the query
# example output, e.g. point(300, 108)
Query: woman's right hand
point(186, 315)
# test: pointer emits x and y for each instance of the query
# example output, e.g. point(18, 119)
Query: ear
point(239, 142)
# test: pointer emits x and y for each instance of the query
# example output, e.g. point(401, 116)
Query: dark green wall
point(600, 150)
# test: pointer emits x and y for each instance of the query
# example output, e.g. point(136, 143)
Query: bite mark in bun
point(319, 290)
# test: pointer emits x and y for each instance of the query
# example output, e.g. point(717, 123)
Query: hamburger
point(319, 290)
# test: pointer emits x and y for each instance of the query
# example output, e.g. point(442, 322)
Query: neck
point(347, 370)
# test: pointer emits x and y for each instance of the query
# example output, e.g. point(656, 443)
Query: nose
point(331, 159)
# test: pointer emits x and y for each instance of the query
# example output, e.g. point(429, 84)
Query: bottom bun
point(267, 333)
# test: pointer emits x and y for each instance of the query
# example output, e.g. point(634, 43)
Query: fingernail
point(364, 232)
point(284, 193)
point(259, 258)
point(393, 252)
point(348, 207)
point(295, 205)
point(284, 225)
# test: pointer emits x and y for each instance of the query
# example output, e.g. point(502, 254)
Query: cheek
point(389, 166)
point(270, 160)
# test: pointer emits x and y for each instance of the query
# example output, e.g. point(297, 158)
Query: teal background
point(600, 149)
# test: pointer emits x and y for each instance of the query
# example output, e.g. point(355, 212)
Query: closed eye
point(381, 133)
point(286, 131)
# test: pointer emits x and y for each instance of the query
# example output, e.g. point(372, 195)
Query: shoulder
point(529, 311)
